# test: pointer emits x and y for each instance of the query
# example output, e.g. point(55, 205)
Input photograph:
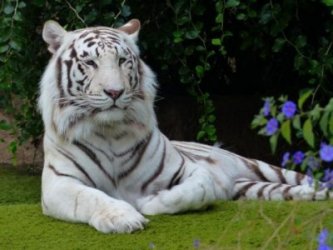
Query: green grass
point(226, 225)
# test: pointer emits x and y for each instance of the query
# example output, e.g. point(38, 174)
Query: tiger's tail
point(268, 182)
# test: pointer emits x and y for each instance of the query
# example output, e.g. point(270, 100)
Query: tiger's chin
point(102, 122)
point(110, 115)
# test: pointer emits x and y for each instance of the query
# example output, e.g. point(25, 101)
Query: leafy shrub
point(307, 123)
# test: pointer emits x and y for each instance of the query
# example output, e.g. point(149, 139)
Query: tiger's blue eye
point(91, 63)
point(121, 60)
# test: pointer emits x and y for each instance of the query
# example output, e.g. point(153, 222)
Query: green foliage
point(312, 123)
point(13, 77)
point(196, 43)
point(306, 130)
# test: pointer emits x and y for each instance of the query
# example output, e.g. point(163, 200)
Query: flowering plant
point(310, 128)
point(325, 240)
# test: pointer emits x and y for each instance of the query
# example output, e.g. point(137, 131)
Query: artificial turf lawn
point(226, 225)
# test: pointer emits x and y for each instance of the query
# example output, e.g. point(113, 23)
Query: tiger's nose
point(114, 93)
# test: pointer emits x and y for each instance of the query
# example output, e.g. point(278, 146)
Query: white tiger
point(106, 161)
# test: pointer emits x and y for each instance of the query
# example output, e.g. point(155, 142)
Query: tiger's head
point(95, 79)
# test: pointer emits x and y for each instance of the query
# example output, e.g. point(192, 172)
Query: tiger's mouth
point(114, 107)
point(114, 110)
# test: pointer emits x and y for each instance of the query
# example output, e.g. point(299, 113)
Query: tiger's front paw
point(122, 218)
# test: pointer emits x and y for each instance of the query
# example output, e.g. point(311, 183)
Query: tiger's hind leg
point(255, 190)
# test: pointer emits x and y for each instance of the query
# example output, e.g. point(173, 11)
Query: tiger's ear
point(132, 28)
point(53, 35)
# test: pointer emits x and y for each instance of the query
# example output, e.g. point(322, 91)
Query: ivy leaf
point(178, 33)
point(301, 41)
point(315, 113)
point(39, 3)
point(330, 124)
point(324, 123)
point(201, 135)
point(219, 18)
point(216, 41)
point(227, 33)
point(211, 130)
point(22, 5)
point(13, 147)
point(328, 2)
point(15, 45)
point(298, 62)
point(182, 20)
point(5, 37)
point(213, 138)
point(177, 40)
point(286, 131)
point(297, 122)
point(192, 34)
point(211, 118)
point(200, 71)
point(258, 121)
point(200, 48)
point(273, 141)
point(126, 11)
point(232, 3)
point(4, 48)
point(18, 17)
point(308, 132)
point(9, 9)
point(241, 16)
point(304, 96)
point(278, 44)
point(4, 125)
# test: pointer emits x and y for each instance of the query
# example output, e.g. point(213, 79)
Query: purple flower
point(309, 176)
point(285, 159)
point(323, 236)
point(267, 107)
point(324, 247)
point(328, 175)
point(328, 178)
point(326, 152)
point(322, 239)
point(313, 163)
point(289, 109)
point(272, 126)
point(298, 157)
point(196, 244)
